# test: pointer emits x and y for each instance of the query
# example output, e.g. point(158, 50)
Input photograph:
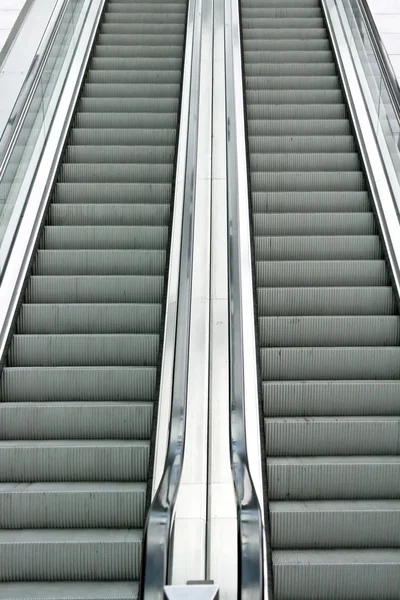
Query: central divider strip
point(156, 546)
point(246, 459)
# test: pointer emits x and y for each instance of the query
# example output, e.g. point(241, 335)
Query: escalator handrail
point(158, 529)
point(16, 120)
point(381, 55)
point(253, 580)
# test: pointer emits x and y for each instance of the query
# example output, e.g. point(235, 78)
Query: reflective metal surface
point(222, 538)
point(190, 531)
point(159, 521)
point(383, 182)
point(244, 421)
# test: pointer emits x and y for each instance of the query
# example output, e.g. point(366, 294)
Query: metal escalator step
point(166, 41)
point(139, 29)
point(252, 12)
point(135, 123)
point(324, 398)
point(76, 420)
point(340, 574)
point(334, 524)
point(89, 318)
point(266, 69)
point(176, 17)
point(65, 590)
point(94, 136)
point(330, 436)
point(291, 82)
point(91, 505)
point(133, 77)
point(325, 301)
point(296, 111)
point(321, 181)
point(326, 273)
point(45, 350)
point(109, 214)
point(100, 262)
point(42, 289)
point(330, 363)
point(74, 460)
point(115, 173)
point(128, 193)
point(131, 90)
point(143, 7)
point(72, 384)
point(287, 33)
point(308, 224)
point(161, 9)
point(309, 201)
point(337, 247)
point(113, 49)
point(306, 128)
point(287, 45)
point(68, 554)
point(295, 96)
point(296, 161)
point(334, 478)
point(121, 154)
point(283, 22)
point(154, 106)
point(325, 331)
point(128, 120)
point(107, 237)
point(290, 51)
point(328, 325)
point(141, 63)
point(325, 146)
point(79, 381)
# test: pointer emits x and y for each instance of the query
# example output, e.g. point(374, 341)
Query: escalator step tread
point(76, 420)
point(328, 323)
point(78, 386)
point(66, 590)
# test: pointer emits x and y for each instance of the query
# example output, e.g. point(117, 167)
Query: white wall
point(9, 11)
point(387, 19)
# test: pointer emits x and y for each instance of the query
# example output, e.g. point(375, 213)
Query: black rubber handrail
point(159, 522)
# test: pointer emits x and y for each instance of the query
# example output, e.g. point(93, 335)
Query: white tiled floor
point(9, 11)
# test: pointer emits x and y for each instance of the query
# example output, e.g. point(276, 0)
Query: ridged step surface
point(78, 388)
point(328, 321)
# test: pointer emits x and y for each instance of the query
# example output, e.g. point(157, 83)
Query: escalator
point(327, 318)
point(80, 378)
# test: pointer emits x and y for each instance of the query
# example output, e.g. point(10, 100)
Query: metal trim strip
point(246, 456)
point(156, 546)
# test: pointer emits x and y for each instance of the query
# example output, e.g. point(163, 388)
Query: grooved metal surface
point(328, 323)
point(79, 381)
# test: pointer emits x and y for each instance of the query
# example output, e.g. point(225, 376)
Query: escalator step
point(92, 505)
point(328, 326)
point(76, 420)
point(80, 377)
point(70, 554)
